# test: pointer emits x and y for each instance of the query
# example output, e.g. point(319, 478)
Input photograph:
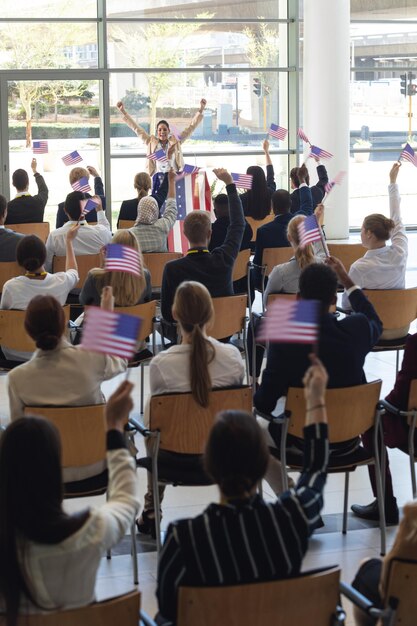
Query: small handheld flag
point(309, 231)
point(110, 332)
point(336, 181)
point(122, 259)
point(291, 321)
point(81, 185)
point(409, 155)
point(40, 147)
point(187, 170)
point(158, 155)
point(88, 205)
point(278, 132)
point(244, 181)
point(320, 153)
point(303, 136)
point(72, 158)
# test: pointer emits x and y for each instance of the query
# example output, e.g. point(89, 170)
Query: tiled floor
point(115, 576)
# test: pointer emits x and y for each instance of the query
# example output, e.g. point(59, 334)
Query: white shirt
point(89, 239)
point(383, 268)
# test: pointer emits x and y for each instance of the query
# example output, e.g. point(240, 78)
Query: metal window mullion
point(47, 20)
point(102, 34)
point(199, 69)
point(192, 20)
point(4, 140)
point(293, 59)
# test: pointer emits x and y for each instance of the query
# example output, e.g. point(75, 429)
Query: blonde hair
point(77, 173)
point(379, 225)
point(143, 184)
point(193, 308)
point(127, 288)
point(303, 256)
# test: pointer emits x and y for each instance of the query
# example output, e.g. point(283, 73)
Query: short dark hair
point(236, 455)
point(221, 205)
point(30, 253)
point(3, 206)
point(318, 282)
point(281, 202)
point(295, 179)
point(72, 204)
point(20, 179)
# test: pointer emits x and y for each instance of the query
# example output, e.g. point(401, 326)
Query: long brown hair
point(143, 184)
point(193, 308)
point(127, 288)
point(304, 256)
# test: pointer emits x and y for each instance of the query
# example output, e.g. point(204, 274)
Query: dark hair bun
point(47, 341)
point(32, 264)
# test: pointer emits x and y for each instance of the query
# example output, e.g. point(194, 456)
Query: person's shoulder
point(224, 348)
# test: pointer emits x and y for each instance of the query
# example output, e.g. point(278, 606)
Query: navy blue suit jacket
point(61, 216)
point(317, 191)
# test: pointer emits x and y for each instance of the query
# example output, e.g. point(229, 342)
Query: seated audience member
point(143, 185)
point(220, 226)
point(150, 230)
point(198, 364)
point(256, 202)
point(76, 174)
point(8, 238)
point(60, 374)
point(212, 269)
point(19, 291)
point(372, 577)
point(274, 534)
point(382, 266)
point(24, 208)
point(39, 540)
point(90, 239)
point(317, 191)
point(343, 345)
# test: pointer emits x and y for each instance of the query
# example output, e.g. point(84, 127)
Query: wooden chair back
point(155, 263)
point(13, 333)
point(348, 253)
point(275, 256)
point(397, 308)
point(85, 262)
point(401, 585)
point(40, 229)
point(229, 316)
point(121, 610)
point(184, 425)
point(309, 599)
point(255, 224)
point(240, 268)
point(272, 297)
point(350, 410)
point(146, 311)
point(82, 430)
point(125, 224)
point(9, 270)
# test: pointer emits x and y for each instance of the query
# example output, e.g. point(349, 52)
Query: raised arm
point(98, 183)
point(270, 175)
point(40, 182)
point(399, 240)
point(140, 132)
point(71, 261)
point(167, 221)
point(197, 119)
point(236, 228)
point(161, 194)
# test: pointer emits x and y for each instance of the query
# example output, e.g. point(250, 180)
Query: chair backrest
point(401, 585)
point(308, 599)
point(255, 224)
point(240, 267)
point(85, 263)
point(13, 333)
point(146, 311)
point(272, 297)
point(121, 610)
point(82, 430)
point(9, 270)
point(350, 410)
point(125, 224)
point(185, 425)
point(229, 316)
point(155, 263)
point(40, 229)
point(275, 256)
point(397, 308)
point(348, 253)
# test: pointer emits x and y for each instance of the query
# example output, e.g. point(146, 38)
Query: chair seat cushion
point(339, 460)
point(179, 469)
point(95, 485)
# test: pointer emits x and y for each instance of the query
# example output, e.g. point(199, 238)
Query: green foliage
point(135, 101)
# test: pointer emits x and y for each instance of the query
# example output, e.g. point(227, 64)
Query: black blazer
point(61, 217)
point(317, 191)
point(219, 232)
point(28, 209)
point(129, 208)
point(8, 244)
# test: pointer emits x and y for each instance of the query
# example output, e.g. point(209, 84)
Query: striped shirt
point(246, 541)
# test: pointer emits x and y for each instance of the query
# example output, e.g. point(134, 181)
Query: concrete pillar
point(326, 72)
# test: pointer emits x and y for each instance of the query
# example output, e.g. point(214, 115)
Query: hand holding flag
point(291, 321)
point(109, 332)
point(409, 155)
point(158, 155)
point(309, 231)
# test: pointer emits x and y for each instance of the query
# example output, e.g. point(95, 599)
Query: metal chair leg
point(379, 491)
point(411, 453)
point(345, 503)
point(142, 382)
point(156, 502)
point(134, 554)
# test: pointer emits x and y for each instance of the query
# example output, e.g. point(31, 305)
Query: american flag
point(315, 151)
point(122, 259)
point(72, 158)
point(158, 155)
point(244, 181)
point(278, 132)
point(40, 147)
point(89, 205)
point(302, 135)
point(81, 185)
point(409, 155)
point(187, 170)
point(110, 332)
point(336, 181)
point(291, 321)
point(309, 231)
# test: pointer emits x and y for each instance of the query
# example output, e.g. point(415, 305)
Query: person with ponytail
point(382, 266)
point(197, 365)
point(48, 557)
point(256, 202)
point(143, 185)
